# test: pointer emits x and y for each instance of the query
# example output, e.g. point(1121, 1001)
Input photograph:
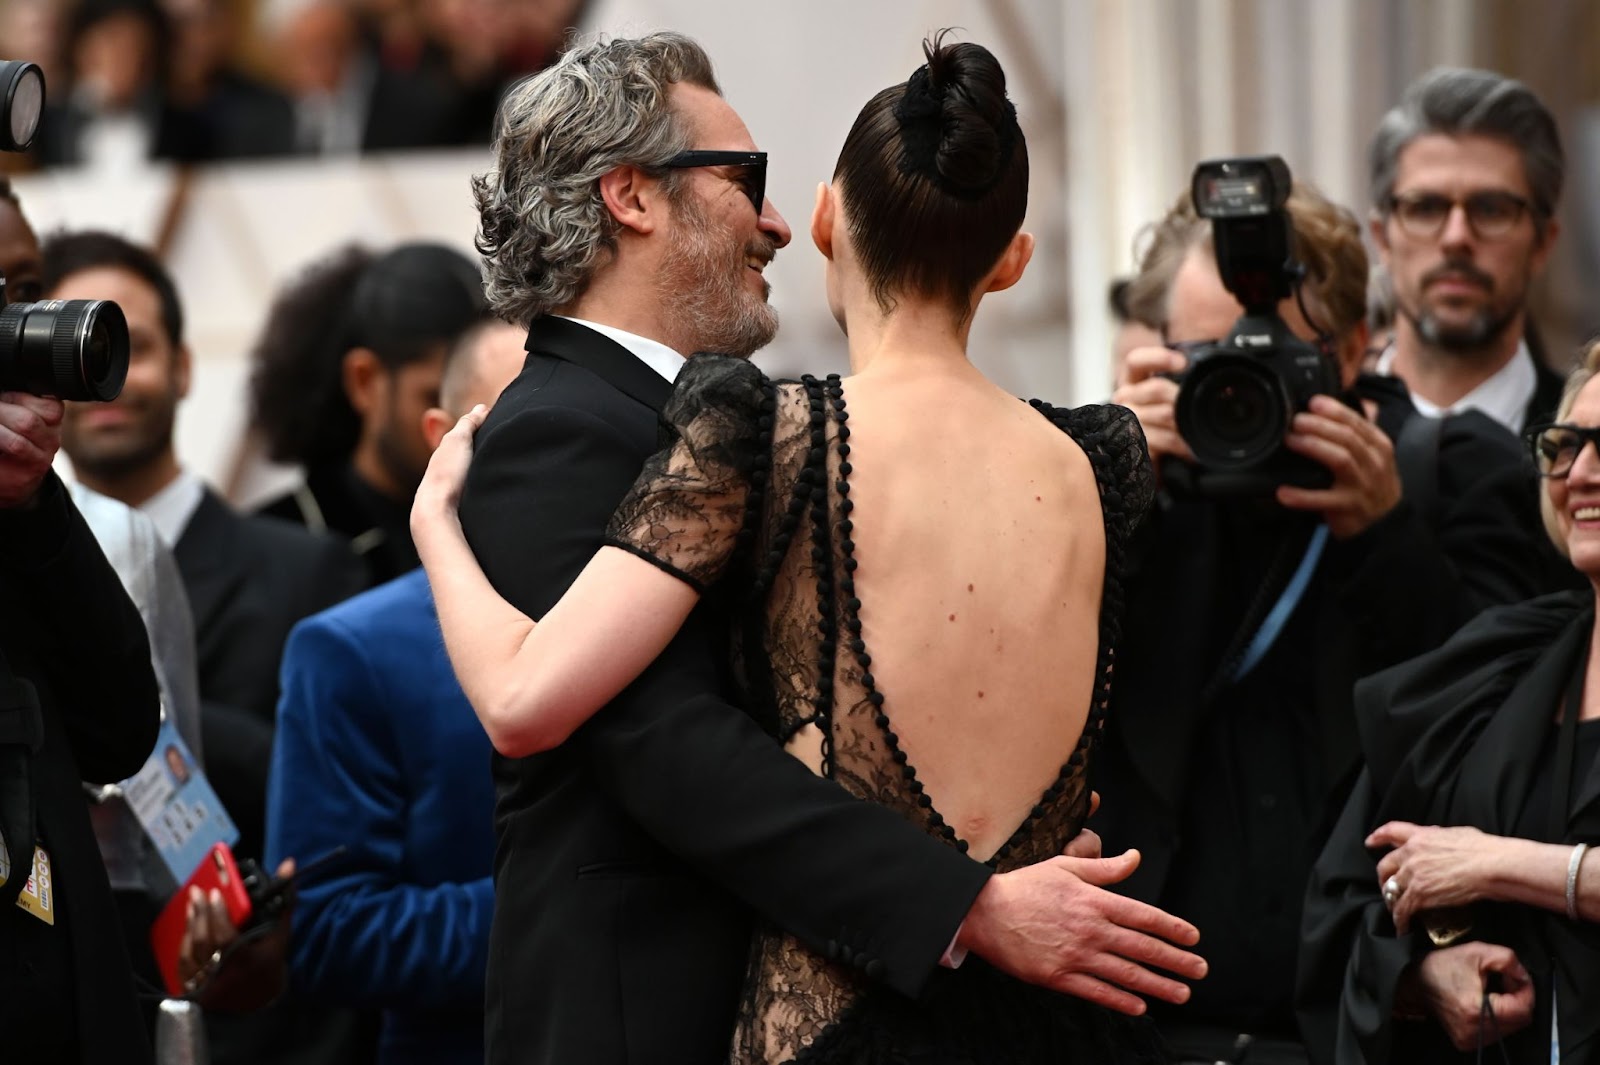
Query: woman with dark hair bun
point(350, 357)
point(929, 573)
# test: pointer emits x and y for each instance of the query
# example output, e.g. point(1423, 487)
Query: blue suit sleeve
point(365, 933)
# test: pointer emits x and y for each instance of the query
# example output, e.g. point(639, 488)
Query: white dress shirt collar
point(654, 354)
point(1503, 397)
point(173, 506)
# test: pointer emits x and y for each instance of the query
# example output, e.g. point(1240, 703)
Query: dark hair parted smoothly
point(934, 177)
point(65, 254)
point(402, 305)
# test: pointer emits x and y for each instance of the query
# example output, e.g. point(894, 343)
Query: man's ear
point(182, 370)
point(1543, 245)
point(633, 197)
point(1013, 261)
point(436, 421)
point(364, 379)
point(1377, 226)
point(822, 220)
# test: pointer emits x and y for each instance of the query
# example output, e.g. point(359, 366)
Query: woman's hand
point(1451, 984)
point(434, 508)
point(1431, 867)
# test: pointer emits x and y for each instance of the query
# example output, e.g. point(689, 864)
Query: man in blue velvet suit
point(378, 750)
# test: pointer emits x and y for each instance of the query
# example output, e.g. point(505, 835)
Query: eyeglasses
point(1556, 447)
point(752, 176)
point(1490, 214)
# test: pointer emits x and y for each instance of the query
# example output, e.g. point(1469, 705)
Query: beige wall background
point(1119, 98)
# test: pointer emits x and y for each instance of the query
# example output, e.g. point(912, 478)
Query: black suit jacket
point(69, 628)
point(249, 580)
point(625, 856)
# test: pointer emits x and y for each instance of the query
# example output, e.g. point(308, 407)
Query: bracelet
point(1574, 866)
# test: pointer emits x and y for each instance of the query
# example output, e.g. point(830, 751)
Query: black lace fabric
point(755, 492)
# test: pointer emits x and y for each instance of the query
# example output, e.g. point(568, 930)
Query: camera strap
point(1272, 625)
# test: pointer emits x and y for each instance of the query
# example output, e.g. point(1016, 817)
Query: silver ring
point(1391, 891)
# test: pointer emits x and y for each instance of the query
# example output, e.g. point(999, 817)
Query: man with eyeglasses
point(1465, 175)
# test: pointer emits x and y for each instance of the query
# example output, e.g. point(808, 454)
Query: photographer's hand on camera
point(30, 436)
point(1152, 397)
point(1366, 481)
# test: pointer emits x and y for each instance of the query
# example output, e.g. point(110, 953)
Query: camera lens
point(1232, 412)
point(70, 349)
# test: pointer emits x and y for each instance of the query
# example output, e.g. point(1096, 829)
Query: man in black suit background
point(248, 579)
point(1465, 173)
point(629, 860)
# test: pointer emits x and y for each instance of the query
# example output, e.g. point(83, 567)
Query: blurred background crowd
point(210, 81)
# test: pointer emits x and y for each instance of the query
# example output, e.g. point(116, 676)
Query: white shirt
point(173, 506)
point(1503, 397)
point(654, 354)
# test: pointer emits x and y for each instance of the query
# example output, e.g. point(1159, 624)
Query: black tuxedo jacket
point(627, 856)
point(249, 580)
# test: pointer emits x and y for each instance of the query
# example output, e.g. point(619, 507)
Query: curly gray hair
point(543, 227)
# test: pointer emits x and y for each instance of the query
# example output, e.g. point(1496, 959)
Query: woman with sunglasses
point(928, 574)
point(1456, 908)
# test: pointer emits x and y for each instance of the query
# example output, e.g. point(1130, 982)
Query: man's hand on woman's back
point(1054, 924)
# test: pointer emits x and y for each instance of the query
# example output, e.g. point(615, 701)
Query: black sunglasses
point(1556, 447)
point(752, 169)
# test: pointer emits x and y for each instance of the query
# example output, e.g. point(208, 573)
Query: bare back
point(927, 577)
point(981, 556)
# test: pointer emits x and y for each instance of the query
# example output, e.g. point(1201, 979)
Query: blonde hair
point(1588, 369)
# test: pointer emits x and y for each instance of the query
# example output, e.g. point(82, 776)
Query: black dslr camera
point(70, 349)
point(1239, 396)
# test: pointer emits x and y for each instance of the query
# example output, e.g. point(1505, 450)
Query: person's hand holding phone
point(224, 976)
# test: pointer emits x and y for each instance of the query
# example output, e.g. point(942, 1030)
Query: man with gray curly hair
point(625, 223)
point(597, 157)
point(1465, 174)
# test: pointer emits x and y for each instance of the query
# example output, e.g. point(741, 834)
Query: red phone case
point(218, 871)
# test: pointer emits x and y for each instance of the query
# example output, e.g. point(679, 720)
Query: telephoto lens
point(70, 349)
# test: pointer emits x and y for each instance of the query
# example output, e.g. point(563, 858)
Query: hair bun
point(957, 127)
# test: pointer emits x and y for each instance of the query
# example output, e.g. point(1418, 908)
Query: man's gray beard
point(703, 295)
point(1467, 341)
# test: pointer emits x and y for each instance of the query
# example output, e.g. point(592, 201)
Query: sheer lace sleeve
point(695, 498)
point(1114, 441)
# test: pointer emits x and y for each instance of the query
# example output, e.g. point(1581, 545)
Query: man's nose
point(773, 225)
point(1457, 230)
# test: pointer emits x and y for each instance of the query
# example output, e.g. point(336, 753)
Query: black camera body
point(70, 349)
point(1238, 398)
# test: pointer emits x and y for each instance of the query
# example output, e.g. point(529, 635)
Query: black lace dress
point(753, 497)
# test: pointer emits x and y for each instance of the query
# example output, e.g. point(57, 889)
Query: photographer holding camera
point(78, 695)
point(1312, 529)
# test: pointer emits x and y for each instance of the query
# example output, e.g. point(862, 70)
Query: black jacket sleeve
point(68, 603)
point(697, 773)
point(1351, 958)
point(1414, 578)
